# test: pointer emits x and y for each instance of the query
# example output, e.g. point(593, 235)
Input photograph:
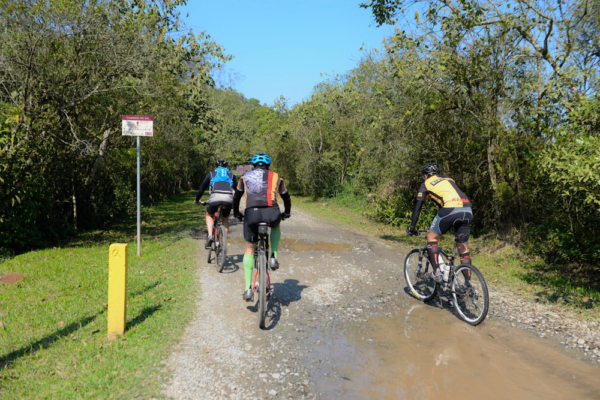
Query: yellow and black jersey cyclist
point(455, 212)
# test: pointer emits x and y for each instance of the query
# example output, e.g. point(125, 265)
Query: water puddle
point(292, 244)
point(424, 354)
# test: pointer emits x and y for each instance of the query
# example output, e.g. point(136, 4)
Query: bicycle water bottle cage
point(263, 229)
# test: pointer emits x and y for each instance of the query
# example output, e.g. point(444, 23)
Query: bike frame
point(217, 219)
point(450, 258)
point(263, 245)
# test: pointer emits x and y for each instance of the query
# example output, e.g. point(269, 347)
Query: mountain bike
point(219, 244)
point(261, 280)
point(464, 282)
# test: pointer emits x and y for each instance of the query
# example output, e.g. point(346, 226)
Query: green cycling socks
point(249, 258)
point(248, 267)
point(275, 238)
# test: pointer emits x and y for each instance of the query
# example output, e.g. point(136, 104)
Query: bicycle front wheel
point(470, 294)
point(419, 278)
point(221, 248)
point(262, 289)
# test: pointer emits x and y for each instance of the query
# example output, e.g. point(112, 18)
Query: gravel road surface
point(341, 325)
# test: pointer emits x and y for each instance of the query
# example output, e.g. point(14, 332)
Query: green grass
point(53, 339)
point(502, 264)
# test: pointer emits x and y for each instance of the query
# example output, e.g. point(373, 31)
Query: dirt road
point(342, 326)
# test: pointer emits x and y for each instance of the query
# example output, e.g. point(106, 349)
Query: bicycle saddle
point(263, 228)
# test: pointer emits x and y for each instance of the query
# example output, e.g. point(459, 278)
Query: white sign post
point(138, 125)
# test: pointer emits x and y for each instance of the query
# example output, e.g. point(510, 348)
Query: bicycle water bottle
point(445, 269)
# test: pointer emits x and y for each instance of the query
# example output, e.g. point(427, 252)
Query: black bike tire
point(221, 251)
point(208, 258)
point(486, 297)
point(415, 292)
point(262, 289)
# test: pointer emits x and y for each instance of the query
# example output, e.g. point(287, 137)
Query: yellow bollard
point(117, 289)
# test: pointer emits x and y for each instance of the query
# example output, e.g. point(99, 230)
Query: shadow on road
point(232, 263)
point(439, 301)
point(284, 294)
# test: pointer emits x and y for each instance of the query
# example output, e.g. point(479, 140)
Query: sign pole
point(138, 125)
point(139, 217)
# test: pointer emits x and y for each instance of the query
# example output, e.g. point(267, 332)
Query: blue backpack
point(222, 175)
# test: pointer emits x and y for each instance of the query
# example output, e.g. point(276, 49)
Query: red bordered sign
point(138, 125)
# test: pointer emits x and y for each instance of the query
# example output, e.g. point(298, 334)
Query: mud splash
point(303, 245)
point(424, 354)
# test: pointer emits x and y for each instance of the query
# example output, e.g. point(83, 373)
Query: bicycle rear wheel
point(221, 248)
point(262, 289)
point(419, 279)
point(470, 294)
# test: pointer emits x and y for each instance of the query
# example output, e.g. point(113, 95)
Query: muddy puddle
point(292, 244)
point(426, 353)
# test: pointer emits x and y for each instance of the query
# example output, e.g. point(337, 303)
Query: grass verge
point(502, 264)
point(53, 341)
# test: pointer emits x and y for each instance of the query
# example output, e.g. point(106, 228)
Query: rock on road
point(341, 324)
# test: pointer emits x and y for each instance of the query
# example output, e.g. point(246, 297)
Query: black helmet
point(430, 169)
point(222, 163)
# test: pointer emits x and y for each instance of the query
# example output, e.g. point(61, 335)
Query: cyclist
point(260, 186)
point(455, 212)
point(221, 182)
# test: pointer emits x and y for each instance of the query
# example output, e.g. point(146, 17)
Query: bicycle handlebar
point(283, 216)
point(416, 232)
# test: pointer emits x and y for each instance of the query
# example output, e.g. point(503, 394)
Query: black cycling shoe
point(274, 264)
point(209, 241)
point(248, 295)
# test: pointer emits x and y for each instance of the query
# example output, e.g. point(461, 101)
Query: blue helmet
point(261, 159)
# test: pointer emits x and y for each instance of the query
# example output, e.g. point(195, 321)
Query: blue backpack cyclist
point(221, 182)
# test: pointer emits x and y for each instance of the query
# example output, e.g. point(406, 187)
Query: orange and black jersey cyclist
point(260, 187)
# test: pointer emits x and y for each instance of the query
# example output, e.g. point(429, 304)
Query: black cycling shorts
point(214, 206)
point(459, 218)
point(254, 216)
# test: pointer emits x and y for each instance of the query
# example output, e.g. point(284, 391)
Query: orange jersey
point(260, 187)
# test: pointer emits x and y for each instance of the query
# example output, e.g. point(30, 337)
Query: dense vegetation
point(68, 71)
point(504, 96)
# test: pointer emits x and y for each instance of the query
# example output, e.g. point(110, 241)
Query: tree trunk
point(101, 152)
point(492, 172)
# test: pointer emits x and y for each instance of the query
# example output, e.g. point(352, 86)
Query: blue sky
point(281, 47)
